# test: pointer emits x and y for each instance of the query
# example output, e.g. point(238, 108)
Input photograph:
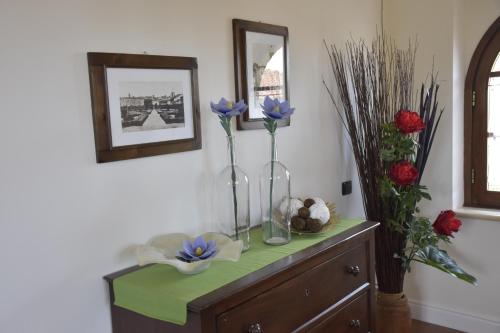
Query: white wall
point(65, 221)
point(449, 31)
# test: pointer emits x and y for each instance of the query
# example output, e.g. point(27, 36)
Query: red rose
point(446, 223)
point(408, 122)
point(403, 173)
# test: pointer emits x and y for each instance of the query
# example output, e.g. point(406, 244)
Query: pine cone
point(298, 223)
point(309, 202)
point(314, 225)
point(304, 212)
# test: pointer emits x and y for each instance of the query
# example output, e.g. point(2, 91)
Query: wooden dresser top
point(287, 267)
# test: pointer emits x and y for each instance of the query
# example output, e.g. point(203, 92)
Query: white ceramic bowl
point(163, 249)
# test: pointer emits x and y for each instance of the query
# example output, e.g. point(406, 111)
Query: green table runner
point(160, 292)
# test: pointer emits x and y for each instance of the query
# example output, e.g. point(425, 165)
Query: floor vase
point(393, 313)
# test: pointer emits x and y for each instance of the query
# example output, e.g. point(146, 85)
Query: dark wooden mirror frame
point(240, 27)
point(98, 62)
point(475, 121)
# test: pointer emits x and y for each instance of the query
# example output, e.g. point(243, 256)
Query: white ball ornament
point(320, 211)
point(319, 201)
point(295, 205)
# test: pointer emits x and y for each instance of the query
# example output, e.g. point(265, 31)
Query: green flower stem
point(233, 183)
point(273, 148)
point(226, 124)
point(271, 125)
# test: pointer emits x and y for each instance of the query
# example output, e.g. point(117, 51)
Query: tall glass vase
point(233, 203)
point(275, 199)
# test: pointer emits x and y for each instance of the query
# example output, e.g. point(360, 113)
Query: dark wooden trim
point(125, 271)
point(98, 62)
point(334, 308)
point(475, 119)
point(240, 27)
point(372, 292)
point(124, 320)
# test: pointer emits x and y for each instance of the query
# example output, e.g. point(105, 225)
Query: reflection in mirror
point(266, 76)
point(268, 72)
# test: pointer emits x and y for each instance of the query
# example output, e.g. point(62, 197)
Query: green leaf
point(271, 125)
point(387, 154)
point(226, 124)
point(437, 258)
point(395, 225)
point(426, 195)
point(395, 191)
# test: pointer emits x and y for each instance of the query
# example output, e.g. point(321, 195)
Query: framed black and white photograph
point(261, 68)
point(143, 105)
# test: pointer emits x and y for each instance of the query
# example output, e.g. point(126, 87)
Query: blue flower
point(198, 250)
point(227, 108)
point(274, 109)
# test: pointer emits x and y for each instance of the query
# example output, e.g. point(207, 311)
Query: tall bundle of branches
point(431, 116)
point(374, 82)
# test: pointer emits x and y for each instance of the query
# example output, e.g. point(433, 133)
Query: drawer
point(352, 318)
point(294, 302)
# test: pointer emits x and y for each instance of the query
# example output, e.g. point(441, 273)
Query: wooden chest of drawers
point(328, 287)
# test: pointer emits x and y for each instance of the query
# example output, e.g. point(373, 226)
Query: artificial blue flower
point(228, 109)
point(198, 250)
point(274, 109)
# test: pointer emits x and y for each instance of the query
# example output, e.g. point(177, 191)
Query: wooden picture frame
point(250, 41)
point(143, 105)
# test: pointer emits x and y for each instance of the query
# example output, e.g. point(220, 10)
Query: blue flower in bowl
point(198, 250)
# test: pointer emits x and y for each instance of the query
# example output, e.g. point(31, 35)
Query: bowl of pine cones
point(312, 216)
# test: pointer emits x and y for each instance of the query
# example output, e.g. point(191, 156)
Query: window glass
point(493, 159)
point(496, 64)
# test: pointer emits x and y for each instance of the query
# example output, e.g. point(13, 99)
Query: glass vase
point(233, 205)
point(275, 199)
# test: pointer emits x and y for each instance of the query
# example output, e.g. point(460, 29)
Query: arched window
point(482, 123)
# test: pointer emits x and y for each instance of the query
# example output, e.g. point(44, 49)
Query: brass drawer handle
point(355, 323)
point(353, 270)
point(255, 328)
